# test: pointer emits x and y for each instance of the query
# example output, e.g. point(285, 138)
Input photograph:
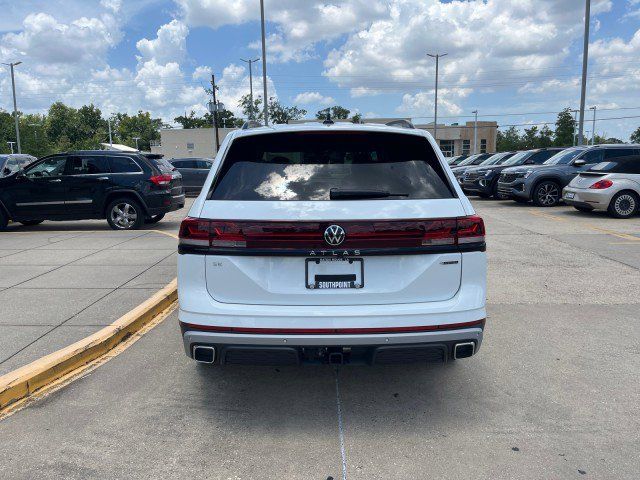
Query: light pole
point(110, 137)
point(265, 99)
point(136, 140)
point(575, 124)
point(585, 59)
point(15, 104)
point(475, 132)
point(250, 62)
point(593, 130)
point(435, 112)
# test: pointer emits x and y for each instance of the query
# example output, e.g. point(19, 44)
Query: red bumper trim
point(331, 331)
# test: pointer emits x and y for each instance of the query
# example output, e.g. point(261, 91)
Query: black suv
point(128, 189)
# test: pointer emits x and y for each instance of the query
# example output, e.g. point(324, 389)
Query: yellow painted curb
point(26, 380)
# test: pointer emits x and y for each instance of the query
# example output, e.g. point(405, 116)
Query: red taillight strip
point(331, 331)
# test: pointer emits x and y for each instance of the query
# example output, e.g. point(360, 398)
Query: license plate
point(334, 273)
point(570, 195)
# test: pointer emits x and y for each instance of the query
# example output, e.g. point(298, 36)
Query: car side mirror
point(579, 163)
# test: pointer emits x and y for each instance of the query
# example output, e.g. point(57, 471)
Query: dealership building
point(454, 139)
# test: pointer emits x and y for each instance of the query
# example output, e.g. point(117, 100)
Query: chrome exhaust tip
point(464, 350)
point(204, 354)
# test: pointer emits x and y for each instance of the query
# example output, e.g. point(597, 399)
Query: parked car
point(482, 159)
point(483, 180)
point(125, 188)
point(13, 162)
point(194, 172)
point(337, 243)
point(453, 161)
point(612, 186)
point(544, 183)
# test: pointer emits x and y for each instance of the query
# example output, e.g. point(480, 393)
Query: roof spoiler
point(402, 123)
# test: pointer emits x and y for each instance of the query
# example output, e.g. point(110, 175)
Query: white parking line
point(340, 428)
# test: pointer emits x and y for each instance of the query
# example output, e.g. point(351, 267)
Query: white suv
point(331, 243)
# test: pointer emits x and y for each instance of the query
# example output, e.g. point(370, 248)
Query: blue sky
point(517, 62)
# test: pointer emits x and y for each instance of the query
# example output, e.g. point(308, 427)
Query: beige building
point(188, 142)
point(453, 139)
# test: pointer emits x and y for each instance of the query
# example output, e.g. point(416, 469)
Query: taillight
point(470, 230)
point(161, 180)
point(300, 238)
point(601, 184)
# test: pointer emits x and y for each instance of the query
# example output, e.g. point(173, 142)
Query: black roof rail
point(402, 123)
point(251, 124)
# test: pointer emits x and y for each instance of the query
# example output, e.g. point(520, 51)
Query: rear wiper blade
point(340, 194)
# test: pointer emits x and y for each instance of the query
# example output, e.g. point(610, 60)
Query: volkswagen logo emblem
point(334, 235)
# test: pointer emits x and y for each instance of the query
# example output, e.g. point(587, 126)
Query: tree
point(192, 121)
point(509, 140)
point(278, 113)
point(530, 138)
point(635, 136)
point(7, 131)
point(141, 125)
point(337, 113)
point(545, 137)
point(565, 128)
point(357, 118)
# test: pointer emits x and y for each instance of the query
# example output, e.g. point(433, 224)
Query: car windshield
point(469, 160)
point(331, 166)
point(564, 157)
point(493, 159)
point(517, 159)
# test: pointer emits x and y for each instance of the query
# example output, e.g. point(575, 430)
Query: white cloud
point(313, 98)
point(422, 103)
point(234, 84)
point(170, 44)
point(113, 5)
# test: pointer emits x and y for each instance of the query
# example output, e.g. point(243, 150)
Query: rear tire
point(125, 214)
point(154, 219)
point(623, 205)
point(547, 194)
point(4, 221)
point(30, 223)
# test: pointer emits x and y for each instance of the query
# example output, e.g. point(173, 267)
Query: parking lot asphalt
point(63, 281)
point(553, 393)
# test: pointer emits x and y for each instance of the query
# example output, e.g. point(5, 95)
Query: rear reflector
point(368, 237)
point(331, 331)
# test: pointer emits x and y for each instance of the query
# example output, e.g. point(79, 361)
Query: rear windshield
point(163, 165)
point(630, 164)
point(333, 165)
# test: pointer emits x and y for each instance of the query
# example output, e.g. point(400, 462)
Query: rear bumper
point(164, 203)
point(593, 199)
point(255, 349)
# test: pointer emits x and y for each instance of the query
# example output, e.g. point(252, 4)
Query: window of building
point(447, 147)
point(483, 145)
point(466, 147)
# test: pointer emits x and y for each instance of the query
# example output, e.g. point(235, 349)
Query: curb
point(24, 381)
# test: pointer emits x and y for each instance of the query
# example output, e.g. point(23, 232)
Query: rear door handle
point(103, 179)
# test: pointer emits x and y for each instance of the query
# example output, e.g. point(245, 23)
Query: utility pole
point(136, 140)
point(110, 137)
point(575, 124)
point(585, 60)
point(15, 104)
point(435, 114)
point(475, 132)
point(213, 108)
point(265, 99)
point(593, 130)
point(250, 83)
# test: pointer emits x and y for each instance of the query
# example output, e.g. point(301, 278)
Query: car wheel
point(154, 219)
point(4, 220)
point(583, 209)
point(546, 194)
point(29, 223)
point(125, 214)
point(624, 205)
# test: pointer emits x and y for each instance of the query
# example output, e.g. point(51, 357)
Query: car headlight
point(527, 173)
